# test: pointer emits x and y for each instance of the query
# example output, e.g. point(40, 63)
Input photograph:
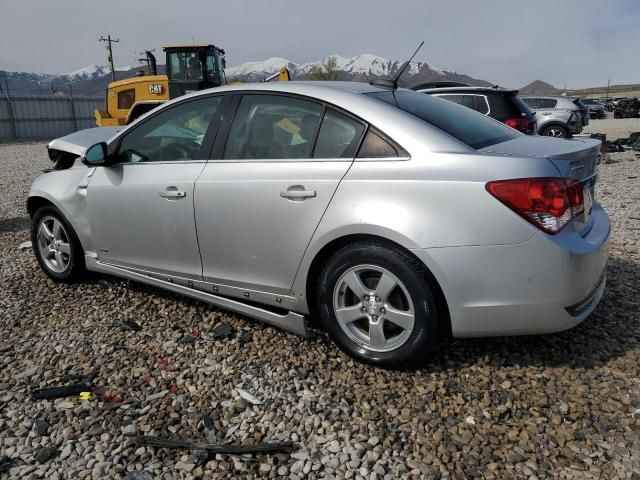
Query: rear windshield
point(469, 127)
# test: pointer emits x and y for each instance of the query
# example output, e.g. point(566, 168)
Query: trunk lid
point(575, 159)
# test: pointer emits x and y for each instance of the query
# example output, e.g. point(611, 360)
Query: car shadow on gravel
point(608, 333)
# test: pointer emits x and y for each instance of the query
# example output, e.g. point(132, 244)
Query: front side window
point(548, 103)
point(339, 136)
point(273, 127)
point(175, 133)
point(476, 131)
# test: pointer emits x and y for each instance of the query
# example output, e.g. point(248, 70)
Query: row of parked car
point(553, 116)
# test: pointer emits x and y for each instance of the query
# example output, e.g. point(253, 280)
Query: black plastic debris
point(5, 464)
point(84, 385)
point(223, 330)
point(46, 453)
point(41, 426)
point(130, 325)
point(213, 449)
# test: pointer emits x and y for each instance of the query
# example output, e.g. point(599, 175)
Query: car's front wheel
point(56, 246)
point(377, 304)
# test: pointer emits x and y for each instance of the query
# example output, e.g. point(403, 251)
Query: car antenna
point(393, 83)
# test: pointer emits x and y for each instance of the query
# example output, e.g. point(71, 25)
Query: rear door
point(260, 199)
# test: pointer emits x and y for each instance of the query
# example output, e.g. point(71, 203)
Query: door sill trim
point(291, 321)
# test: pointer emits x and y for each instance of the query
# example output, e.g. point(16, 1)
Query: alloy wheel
point(373, 307)
point(555, 132)
point(53, 244)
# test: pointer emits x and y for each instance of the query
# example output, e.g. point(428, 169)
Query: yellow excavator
point(189, 68)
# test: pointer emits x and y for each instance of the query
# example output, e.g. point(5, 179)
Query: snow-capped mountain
point(93, 80)
point(361, 67)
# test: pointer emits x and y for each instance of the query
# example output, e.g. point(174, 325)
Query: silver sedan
point(388, 216)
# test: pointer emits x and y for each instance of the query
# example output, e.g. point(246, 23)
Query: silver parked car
point(390, 216)
point(559, 116)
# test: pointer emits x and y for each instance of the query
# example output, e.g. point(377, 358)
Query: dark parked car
point(627, 108)
point(596, 108)
point(499, 103)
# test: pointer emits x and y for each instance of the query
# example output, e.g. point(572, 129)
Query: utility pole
point(608, 84)
point(109, 41)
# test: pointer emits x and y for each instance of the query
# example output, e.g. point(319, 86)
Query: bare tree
point(327, 70)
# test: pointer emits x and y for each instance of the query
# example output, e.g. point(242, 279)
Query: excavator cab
point(194, 67)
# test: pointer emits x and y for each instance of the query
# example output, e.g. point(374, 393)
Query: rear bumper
point(547, 284)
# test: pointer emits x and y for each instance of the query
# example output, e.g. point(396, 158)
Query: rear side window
point(377, 145)
point(481, 104)
point(339, 136)
point(273, 127)
point(476, 131)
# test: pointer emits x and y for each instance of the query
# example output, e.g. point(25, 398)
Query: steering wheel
point(175, 151)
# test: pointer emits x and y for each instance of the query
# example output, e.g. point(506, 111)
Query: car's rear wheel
point(555, 131)
point(56, 246)
point(377, 304)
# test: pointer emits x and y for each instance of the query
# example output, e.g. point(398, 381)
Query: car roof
point(302, 87)
point(469, 89)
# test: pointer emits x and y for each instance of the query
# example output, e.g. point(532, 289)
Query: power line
point(109, 41)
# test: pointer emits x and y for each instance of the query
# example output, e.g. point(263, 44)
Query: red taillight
point(521, 124)
point(548, 203)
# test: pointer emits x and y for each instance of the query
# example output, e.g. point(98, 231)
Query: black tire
point(548, 131)
point(75, 268)
point(415, 280)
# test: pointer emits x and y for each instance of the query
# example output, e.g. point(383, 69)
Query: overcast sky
point(579, 43)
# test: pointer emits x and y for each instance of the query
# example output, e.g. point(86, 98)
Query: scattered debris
point(246, 337)
point(25, 245)
point(5, 464)
point(46, 453)
point(213, 449)
point(41, 426)
point(66, 391)
point(248, 397)
point(111, 398)
point(130, 325)
point(209, 429)
point(223, 330)
point(156, 396)
point(138, 475)
point(188, 339)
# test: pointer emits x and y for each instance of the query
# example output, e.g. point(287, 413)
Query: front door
point(141, 208)
point(258, 206)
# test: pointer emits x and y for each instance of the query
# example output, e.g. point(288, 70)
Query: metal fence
point(45, 118)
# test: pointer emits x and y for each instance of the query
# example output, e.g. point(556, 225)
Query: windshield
point(192, 66)
point(468, 126)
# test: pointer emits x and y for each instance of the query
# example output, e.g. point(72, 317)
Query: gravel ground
point(559, 406)
point(614, 127)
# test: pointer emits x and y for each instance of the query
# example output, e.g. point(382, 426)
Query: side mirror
point(96, 155)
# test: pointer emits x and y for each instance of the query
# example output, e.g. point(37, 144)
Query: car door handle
point(171, 194)
point(293, 193)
